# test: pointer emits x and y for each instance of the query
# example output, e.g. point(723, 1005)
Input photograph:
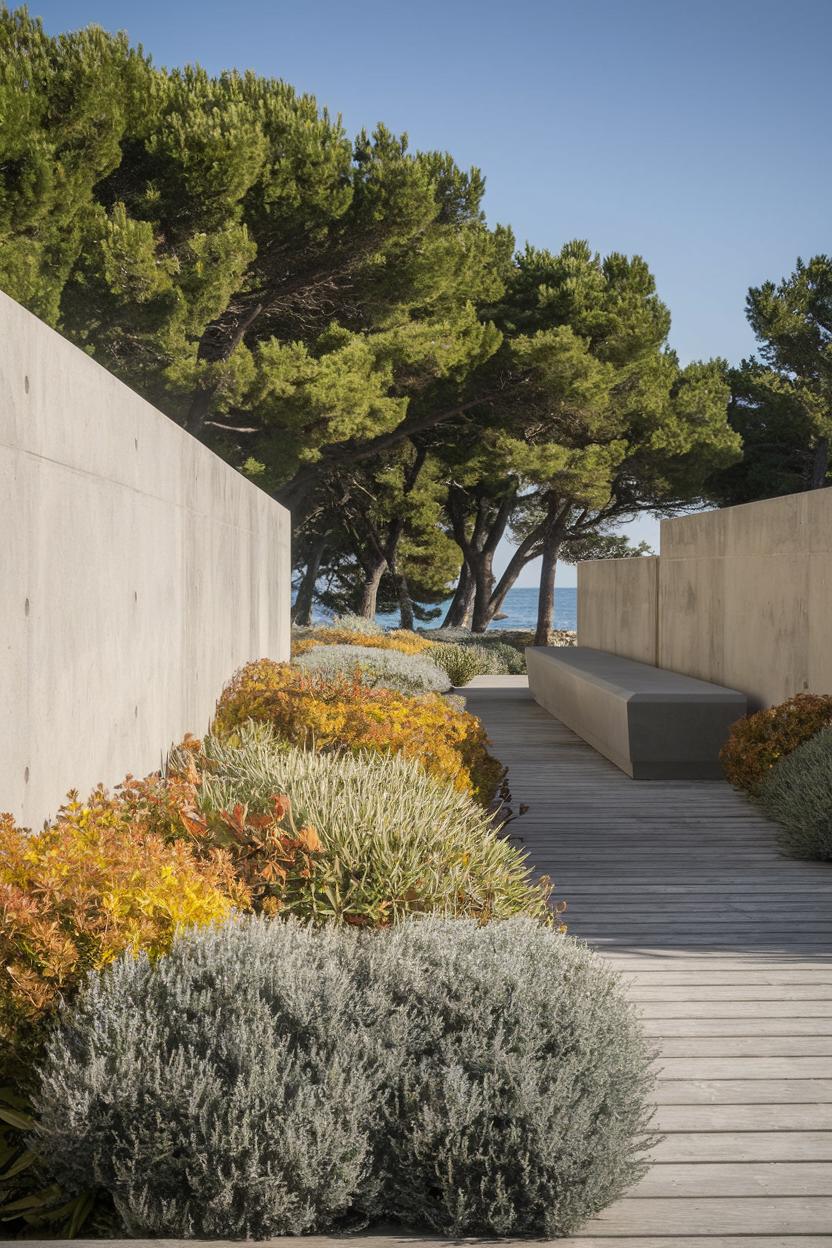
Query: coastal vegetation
point(330, 811)
point(782, 757)
point(335, 316)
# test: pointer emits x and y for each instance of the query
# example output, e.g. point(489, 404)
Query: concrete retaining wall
point(617, 606)
point(137, 571)
point(743, 598)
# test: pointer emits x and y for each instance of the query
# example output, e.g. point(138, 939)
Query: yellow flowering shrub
point(89, 886)
point(397, 639)
point(310, 711)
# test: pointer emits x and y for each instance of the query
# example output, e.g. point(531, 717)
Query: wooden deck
point(727, 947)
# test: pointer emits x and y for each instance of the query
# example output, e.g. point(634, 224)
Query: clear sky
point(695, 134)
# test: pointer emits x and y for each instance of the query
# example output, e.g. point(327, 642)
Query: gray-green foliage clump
point(797, 792)
point(489, 655)
point(356, 624)
point(395, 840)
point(391, 669)
point(463, 663)
point(268, 1078)
point(518, 1105)
point(224, 1091)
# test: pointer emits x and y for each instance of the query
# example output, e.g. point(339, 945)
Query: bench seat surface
point(632, 679)
point(652, 723)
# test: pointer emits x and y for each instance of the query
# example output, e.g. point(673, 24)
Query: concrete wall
point(744, 598)
point(137, 571)
point(617, 606)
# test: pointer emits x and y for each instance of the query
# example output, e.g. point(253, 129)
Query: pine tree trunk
point(459, 611)
point(405, 603)
point(483, 582)
point(820, 464)
point(369, 591)
point(302, 610)
point(546, 598)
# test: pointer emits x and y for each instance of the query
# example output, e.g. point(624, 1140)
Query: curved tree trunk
point(302, 609)
point(369, 590)
point(483, 584)
point(405, 603)
point(458, 614)
point(546, 598)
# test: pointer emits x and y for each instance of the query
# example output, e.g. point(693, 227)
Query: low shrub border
point(474, 1080)
point(378, 837)
point(311, 711)
point(758, 741)
point(387, 669)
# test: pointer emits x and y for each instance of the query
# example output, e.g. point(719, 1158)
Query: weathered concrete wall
point(617, 605)
point(744, 597)
point(137, 572)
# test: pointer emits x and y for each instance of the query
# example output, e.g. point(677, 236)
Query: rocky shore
point(515, 637)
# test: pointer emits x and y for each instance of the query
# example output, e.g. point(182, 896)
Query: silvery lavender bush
point(223, 1092)
point(355, 624)
point(518, 1105)
point(268, 1078)
point(390, 669)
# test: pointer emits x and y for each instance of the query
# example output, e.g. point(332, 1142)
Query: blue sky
point(696, 134)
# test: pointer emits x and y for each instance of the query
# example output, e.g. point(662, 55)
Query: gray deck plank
point(725, 946)
point(740, 1146)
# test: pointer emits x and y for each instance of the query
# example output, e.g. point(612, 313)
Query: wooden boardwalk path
point(727, 947)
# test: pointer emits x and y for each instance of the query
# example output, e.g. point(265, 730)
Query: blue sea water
point(520, 609)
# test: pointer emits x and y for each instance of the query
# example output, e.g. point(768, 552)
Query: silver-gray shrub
point(223, 1092)
point(354, 624)
point(519, 1103)
point(389, 669)
point(268, 1078)
point(797, 793)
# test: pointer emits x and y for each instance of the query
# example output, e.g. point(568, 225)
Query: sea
point(519, 608)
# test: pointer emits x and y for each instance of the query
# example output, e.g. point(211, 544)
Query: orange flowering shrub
point(310, 711)
point(271, 857)
point(397, 639)
point(89, 886)
point(759, 740)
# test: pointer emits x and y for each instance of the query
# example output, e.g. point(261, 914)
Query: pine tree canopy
point(781, 403)
point(335, 317)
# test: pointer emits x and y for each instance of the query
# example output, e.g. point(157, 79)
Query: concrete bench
point(653, 724)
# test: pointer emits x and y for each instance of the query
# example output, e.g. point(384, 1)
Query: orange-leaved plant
point(274, 859)
point(758, 741)
point(90, 885)
point(310, 711)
